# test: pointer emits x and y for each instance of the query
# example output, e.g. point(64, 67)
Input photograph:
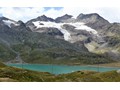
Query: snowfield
point(67, 36)
point(82, 26)
point(9, 22)
point(40, 24)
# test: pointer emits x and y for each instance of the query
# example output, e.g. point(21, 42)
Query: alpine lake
point(62, 69)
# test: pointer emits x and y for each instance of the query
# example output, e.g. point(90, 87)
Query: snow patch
point(82, 26)
point(9, 22)
point(66, 34)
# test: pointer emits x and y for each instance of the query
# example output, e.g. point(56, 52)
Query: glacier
point(67, 35)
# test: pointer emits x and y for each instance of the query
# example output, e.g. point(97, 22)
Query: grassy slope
point(5, 53)
point(61, 55)
point(22, 75)
point(41, 48)
point(91, 76)
point(58, 55)
point(11, 74)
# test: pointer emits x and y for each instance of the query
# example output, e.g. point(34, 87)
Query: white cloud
point(25, 13)
point(63, 3)
point(21, 13)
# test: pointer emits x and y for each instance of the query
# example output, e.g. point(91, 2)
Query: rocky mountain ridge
point(63, 40)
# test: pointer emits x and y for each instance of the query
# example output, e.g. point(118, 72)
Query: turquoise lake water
point(61, 69)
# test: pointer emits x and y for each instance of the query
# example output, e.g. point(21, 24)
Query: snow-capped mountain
point(8, 22)
point(73, 30)
point(61, 38)
point(87, 28)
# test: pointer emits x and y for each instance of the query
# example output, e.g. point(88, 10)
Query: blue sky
point(112, 14)
point(0, 14)
point(56, 8)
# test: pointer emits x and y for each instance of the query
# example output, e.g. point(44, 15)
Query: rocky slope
point(91, 29)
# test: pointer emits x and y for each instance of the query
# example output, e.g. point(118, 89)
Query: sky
point(112, 14)
point(19, 10)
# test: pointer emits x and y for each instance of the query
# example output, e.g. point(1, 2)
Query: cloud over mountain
point(27, 13)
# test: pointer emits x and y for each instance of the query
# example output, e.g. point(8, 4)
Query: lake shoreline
point(111, 65)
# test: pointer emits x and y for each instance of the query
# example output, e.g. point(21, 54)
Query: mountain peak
point(20, 22)
point(92, 16)
point(66, 15)
point(44, 18)
point(93, 20)
point(62, 18)
point(3, 18)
